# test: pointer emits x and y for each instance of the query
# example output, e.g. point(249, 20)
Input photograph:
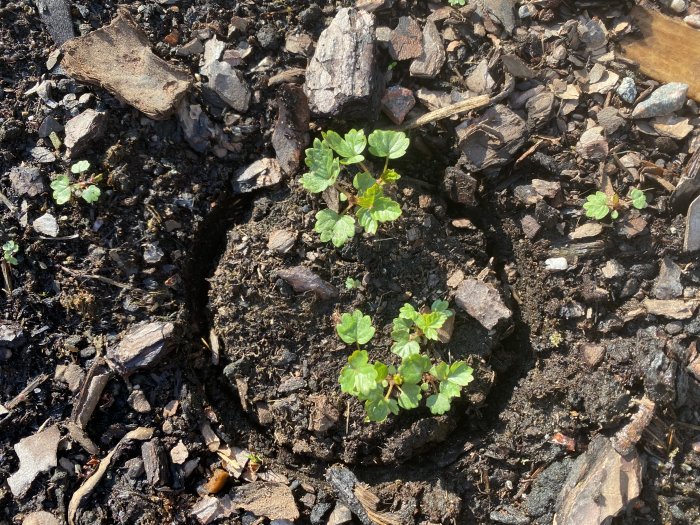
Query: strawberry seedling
point(385, 388)
point(599, 205)
point(64, 189)
point(366, 196)
point(9, 249)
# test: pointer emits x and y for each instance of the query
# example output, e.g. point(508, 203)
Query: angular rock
point(11, 334)
point(260, 174)
point(48, 126)
point(483, 302)
point(118, 58)
point(179, 453)
point(209, 509)
point(42, 155)
point(341, 515)
point(137, 400)
point(40, 517)
point(600, 485)
point(530, 226)
point(83, 129)
point(229, 84)
point(155, 462)
point(46, 225)
point(460, 186)
point(55, 14)
point(141, 346)
point(672, 308)
point(556, 264)
point(274, 501)
point(627, 91)
point(342, 79)
point(610, 119)
point(516, 66)
point(613, 269)
point(27, 181)
point(691, 241)
point(494, 144)
point(299, 44)
point(688, 186)
point(431, 60)
point(668, 283)
point(592, 145)
point(397, 102)
point(665, 100)
point(539, 110)
point(480, 80)
point(502, 10)
point(406, 40)
point(304, 280)
point(36, 454)
point(291, 133)
point(281, 241)
point(586, 231)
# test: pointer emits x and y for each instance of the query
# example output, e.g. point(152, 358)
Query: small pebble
point(527, 11)
point(627, 91)
point(556, 264)
point(665, 100)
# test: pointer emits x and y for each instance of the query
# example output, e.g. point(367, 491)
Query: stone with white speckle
point(664, 101)
point(627, 91)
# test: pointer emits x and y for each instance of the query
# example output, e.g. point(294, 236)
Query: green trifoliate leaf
point(352, 284)
point(408, 312)
point(430, 323)
point(61, 189)
point(334, 227)
point(596, 205)
point(450, 390)
point(460, 373)
point(389, 144)
point(363, 181)
point(638, 198)
point(368, 197)
point(413, 367)
point(91, 194)
point(378, 409)
point(350, 148)
point(441, 306)
point(438, 403)
point(440, 371)
point(324, 168)
point(80, 166)
point(390, 176)
point(358, 377)
point(385, 209)
point(410, 396)
point(405, 348)
point(355, 328)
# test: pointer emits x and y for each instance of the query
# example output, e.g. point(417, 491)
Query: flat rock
point(260, 174)
point(627, 90)
point(406, 40)
point(342, 78)
point(397, 102)
point(42, 155)
point(118, 58)
point(11, 334)
point(483, 302)
point(303, 280)
point(41, 517)
point(480, 80)
point(281, 241)
point(83, 129)
point(46, 225)
point(141, 346)
point(36, 454)
point(482, 147)
point(539, 110)
point(431, 60)
point(609, 119)
point(502, 10)
point(668, 283)
point(460, 186)
point(530, 226)
point(600, 485)
point(291, 133)
point(299, 44)
point(137, 400)
point(665, 100)
point(517, 66)
point(592, 145)
point(586, 231)
point(55, 14)
point(274, 501)
point(155, 462)
point(691, 241)
point(671, 308)
point(229, 84)
point(27, 181)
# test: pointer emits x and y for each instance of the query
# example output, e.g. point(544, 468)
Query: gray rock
point(26, 181)
point(49, 125)
point(229, 84)
point(46, 225)
point(546, 488)
point(83, 129)
point(141, 346)
point(483, 302)
point(155, 462)
point(406, 40)
point(665, 100)
point(431, 60)
point(342, 79)
point(37, 454)
point(11, 335)
point(197, 127)
point(55, 14)
point(509, 515)
point(281, 241)
point(304, 280)
point(502, 10)
point(268, 37)
point(691, 241)
point(539, 110)
point(260, 174)
point(517, 67)
point(42, 155)
point(627, 91)
point(668, 283)
point(688, 186)
point(460, 186)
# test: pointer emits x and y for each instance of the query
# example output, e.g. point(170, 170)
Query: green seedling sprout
point(599, 205)
point(352, 284)
point(366, 195)
point(9, 249)
point(386, 389)
point(455, 3)
point(64, 189)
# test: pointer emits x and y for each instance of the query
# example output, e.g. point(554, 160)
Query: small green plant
point(366, 195)
point(352, 284)
point(9, 249)
point(599, 205)
point(455, 3)
point(385, 388)
point(64, 189)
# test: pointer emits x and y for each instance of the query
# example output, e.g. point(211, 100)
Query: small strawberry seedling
point(64, 189)
point(385, 388)
point(599, 205)
point(9, 249)
point(366, 196)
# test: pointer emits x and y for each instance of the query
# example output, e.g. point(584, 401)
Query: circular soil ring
point(285, 357)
